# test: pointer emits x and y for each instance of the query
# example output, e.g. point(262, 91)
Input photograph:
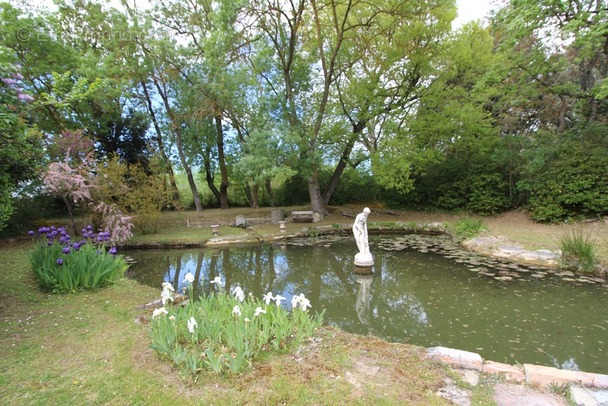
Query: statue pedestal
point(363, 264)
point(364, 259)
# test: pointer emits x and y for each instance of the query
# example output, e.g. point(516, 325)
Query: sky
point(469, 10)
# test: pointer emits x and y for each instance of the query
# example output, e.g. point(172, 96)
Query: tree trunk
point(178, 140)
point(314, 192)
point(161, 149)
point(182, 157)
point(269, 190)
point(197, 199)
point(248, 194)
point(209, 175)
point(255, 196)
point(358, 128)
point(71, 214)
point(339, 170)
point(222, 164)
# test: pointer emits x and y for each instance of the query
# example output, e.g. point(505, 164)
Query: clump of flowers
point(63, 265)
point(225, 331)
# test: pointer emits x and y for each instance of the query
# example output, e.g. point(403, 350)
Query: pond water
point(442, 298)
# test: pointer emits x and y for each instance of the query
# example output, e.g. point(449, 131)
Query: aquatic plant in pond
point(225, 331)
point(578, 251)
point(64, 266)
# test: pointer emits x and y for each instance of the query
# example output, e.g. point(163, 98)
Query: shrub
point(62, 266)
point(224, 332)
point(466, 228)
point(579, 251)
point(565, 177)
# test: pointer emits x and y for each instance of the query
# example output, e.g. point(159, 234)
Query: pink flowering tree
point(115, 222)
point(70, 179)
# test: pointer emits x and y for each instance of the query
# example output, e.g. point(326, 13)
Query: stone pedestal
point(364, 260)
point(364, 264)
point(364, 270)
point(282, 226)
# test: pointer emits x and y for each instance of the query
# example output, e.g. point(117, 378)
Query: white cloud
point(469, 10)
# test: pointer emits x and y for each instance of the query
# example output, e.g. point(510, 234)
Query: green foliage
point(467, 227)
point(64, 267)
point(355, 186)
point(312, 231)
point(567, 177)
point(21, 151)
point(225, 333)
point(561, 389)
point(475, 184)
point(133, 190)
point(6, 206)
point(391, 225)
point(579, 251)
point(292, 192)
point(487, 194)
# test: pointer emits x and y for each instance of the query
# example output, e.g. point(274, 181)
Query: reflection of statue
point(364, 257)
point(363, 297)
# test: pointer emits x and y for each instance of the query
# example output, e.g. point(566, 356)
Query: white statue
point(364, 257)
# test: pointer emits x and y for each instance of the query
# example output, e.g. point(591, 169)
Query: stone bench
point(304, 216)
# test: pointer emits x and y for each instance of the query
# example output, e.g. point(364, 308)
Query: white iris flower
point(192, 324)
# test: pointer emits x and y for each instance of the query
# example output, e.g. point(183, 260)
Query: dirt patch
point(516, 395)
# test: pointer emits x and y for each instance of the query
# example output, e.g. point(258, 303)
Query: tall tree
point(390, 62)
point(319, 50)
point(560, 49)
point(213, 33)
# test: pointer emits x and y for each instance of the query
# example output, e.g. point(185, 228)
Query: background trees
point(271, 102)
point(21, 144)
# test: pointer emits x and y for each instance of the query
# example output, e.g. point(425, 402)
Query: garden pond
point(424, 290)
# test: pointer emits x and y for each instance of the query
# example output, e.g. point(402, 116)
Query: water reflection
point(422, 299)
point(363, 298)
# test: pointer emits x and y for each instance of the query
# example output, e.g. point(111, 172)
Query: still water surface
point(418, 298)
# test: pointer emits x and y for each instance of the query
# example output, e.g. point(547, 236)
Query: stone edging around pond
point(584, 388)
point(501, 247)
point(541, 376)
